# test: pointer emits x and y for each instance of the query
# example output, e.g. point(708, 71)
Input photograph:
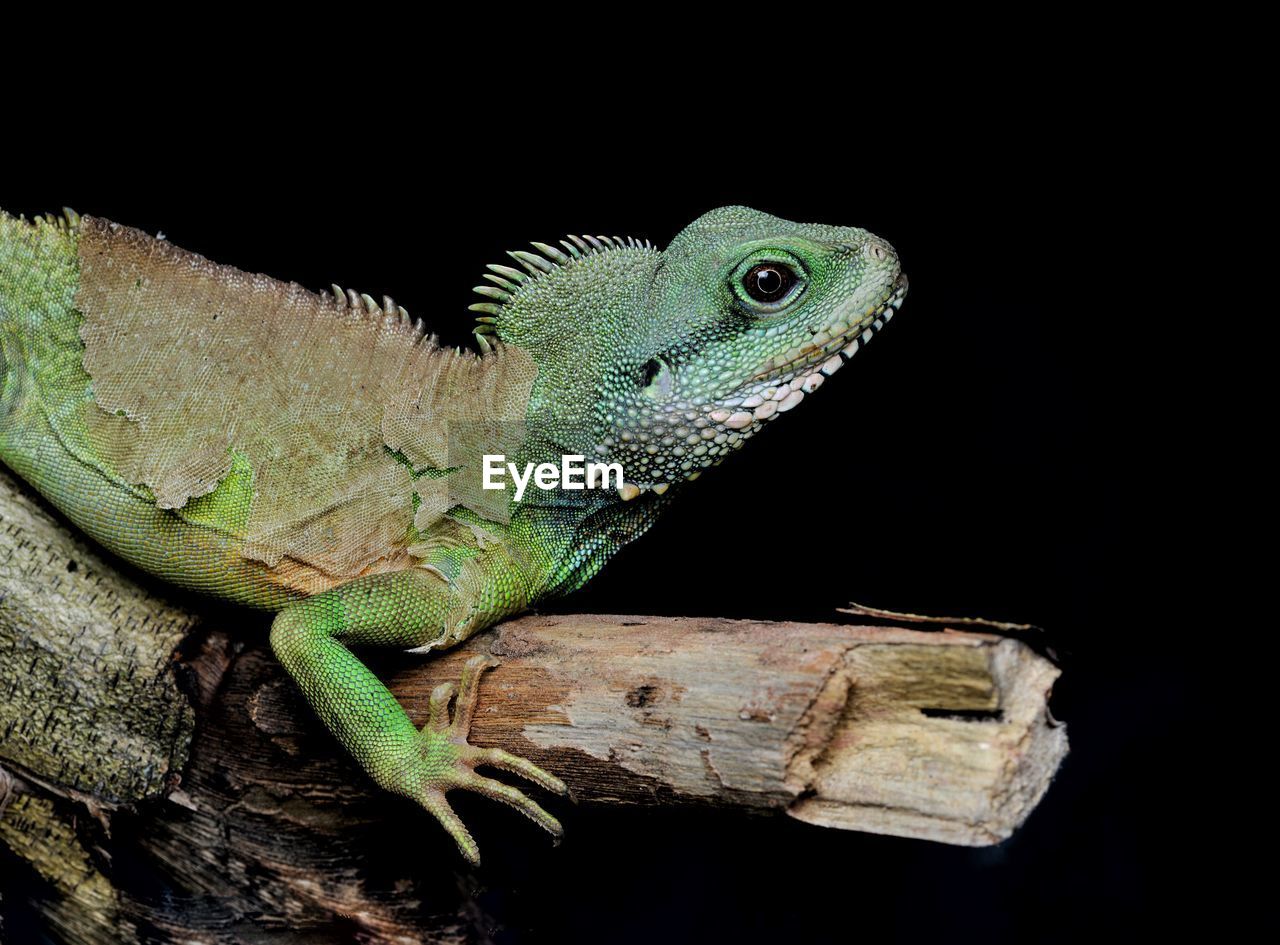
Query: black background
point(959, 465)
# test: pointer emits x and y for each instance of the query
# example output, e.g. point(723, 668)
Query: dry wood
point(937, 735)
point(940, 735)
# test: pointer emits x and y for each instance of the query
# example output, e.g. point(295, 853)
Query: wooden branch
point(88, 696)
point(939, 735)
point(943, 736)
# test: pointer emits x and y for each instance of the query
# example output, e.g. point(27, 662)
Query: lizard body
point(320, 456)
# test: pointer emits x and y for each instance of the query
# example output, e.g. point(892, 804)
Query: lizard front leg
point(403, 609)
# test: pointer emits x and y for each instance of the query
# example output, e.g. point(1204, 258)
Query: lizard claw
point(448, 762)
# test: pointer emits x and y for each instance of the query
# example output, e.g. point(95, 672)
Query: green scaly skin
point(665, 362)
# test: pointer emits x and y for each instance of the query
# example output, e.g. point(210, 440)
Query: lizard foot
point(449, 762)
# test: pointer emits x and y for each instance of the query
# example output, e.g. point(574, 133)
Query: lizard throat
point(677, 439)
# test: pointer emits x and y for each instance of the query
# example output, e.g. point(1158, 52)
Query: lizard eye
point(768, 282)
point(766, 286)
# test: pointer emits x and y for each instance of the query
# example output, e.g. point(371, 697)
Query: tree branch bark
point(146, 708)
point(943, 736)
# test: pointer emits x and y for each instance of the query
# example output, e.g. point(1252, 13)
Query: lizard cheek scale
point(320, 456)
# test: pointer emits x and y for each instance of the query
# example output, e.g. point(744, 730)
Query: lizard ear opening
point(657, 378)
point(650, 372)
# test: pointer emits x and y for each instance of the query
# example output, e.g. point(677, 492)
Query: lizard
point(318, 455)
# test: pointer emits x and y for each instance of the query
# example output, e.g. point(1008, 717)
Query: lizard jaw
point(844, 336)
point(780, 386)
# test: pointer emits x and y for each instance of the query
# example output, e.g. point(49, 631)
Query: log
point(124, 703)
point(941, 736)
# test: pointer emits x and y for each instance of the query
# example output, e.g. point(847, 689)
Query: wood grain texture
point(939, 735)
point(896, 730)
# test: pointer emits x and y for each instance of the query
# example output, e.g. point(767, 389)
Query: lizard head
point(666, 362)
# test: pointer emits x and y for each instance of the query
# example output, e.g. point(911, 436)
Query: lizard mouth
point(831, 347)
point(781, 383)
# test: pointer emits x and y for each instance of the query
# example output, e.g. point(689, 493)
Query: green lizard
point(320, 456)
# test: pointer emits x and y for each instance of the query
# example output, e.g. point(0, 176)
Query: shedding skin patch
point(198, 367)
point(462, 409)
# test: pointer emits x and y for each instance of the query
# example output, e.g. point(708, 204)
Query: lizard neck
point(577, 322)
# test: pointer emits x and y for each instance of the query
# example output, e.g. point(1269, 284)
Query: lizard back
point(322, 436)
